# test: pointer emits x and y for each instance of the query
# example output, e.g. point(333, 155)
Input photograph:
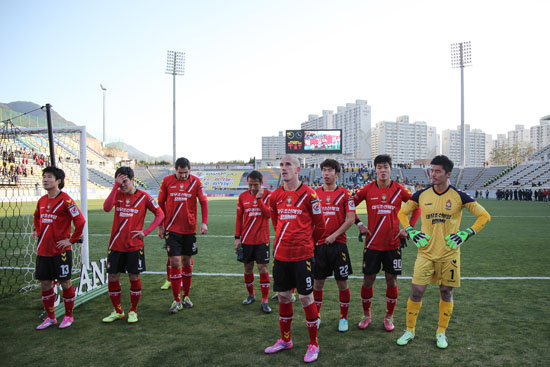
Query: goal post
point(23, 154)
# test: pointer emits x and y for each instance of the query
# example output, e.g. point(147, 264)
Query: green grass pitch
point(494, 323)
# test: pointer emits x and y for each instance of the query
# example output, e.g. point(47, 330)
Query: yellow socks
point(445, 312)
point(412, 314)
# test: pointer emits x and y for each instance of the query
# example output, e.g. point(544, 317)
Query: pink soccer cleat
point(67, 321)
point(365, 322)
point(312, 353)
point(388, 323)
point(46, 323)
point(278, 346)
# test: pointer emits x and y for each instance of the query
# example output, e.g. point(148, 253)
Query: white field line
point(257, 275)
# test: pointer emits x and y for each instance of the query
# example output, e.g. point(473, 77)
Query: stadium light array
point(175, 65)
point(461, 56)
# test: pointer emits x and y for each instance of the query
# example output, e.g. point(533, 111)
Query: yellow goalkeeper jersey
point(441, 216)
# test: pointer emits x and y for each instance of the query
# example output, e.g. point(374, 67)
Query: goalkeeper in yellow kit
point(438, 243)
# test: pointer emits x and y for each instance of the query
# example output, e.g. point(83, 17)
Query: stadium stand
point(527, 174)
point(469, 175)
point(542, 154)
point(415, 175)
point(485, 175)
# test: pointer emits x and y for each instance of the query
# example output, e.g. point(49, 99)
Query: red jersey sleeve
point(78, 221)
point(316, 217)
point(203, 201)
point(239, 218)
point(162, 195)
point(157, 211)
point(273, 209)
point(37, 218)
point(266, 211)
point(415, 215)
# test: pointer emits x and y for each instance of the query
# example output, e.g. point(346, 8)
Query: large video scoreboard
point(313, 141)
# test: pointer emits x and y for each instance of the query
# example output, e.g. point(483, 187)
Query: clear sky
point(256, 67)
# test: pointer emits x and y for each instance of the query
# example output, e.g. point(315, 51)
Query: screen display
point(313, 141)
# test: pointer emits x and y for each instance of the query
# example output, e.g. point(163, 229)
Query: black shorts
point(333, 258)
point(57, 267)
point(296, 274)
point(132, 262)
point(178, 244)
point(390, 260)
point(257, 253)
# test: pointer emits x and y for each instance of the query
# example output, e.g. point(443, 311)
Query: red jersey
point(252, 224)
point(298, 221)
point(383, 204)
point(130, 210)
point(335, 204)
point(52, 222)
point(178, 200)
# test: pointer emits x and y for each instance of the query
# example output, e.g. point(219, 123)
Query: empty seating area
point(415, 175)
point(542, 154)
point(488, 173)
point(525, 174)
point(469, 176)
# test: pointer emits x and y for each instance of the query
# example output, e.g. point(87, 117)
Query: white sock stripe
point(281, 318)
point(115, 293)
point(344, 304)
point(135, 293)
point(391, 300)
point(365, 300)
point(68, 299)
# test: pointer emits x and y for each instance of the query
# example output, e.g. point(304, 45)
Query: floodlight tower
point(104, 96)
point(461, 56)
point(175, 66)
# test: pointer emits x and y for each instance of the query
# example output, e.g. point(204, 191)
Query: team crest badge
point(254, 202)
point(384, 197)
point(448, 204)
point(127, 201)
point(181, 186)
point(328, 199)
point(48, 207)
point(288, 200)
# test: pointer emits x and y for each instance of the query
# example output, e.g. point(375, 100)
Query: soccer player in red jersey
point(382, 245)
point(126, 247)
point(331, 254)
point(252, 236)
point(299, 223)
point(178, 197)
point(52, 229)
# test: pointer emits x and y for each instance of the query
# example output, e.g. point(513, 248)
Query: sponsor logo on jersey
point(316, 208)
point(73, 210)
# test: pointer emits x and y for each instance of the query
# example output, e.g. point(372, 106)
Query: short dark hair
point(182, 163)
point(255, 175)
point(331, 163)
point(58, 173)
point(125, 171)
point(382, 158)
point(444, 161)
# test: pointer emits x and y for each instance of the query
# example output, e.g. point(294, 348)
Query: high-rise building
point(433, 143)
point(273, 147)
point(405, 142)
point(474, 145)
point(540, 135)
point(355, 121)
point(519, 136)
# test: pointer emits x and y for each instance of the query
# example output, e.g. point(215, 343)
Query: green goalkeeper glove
point(420, 239)
point(456, 239)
